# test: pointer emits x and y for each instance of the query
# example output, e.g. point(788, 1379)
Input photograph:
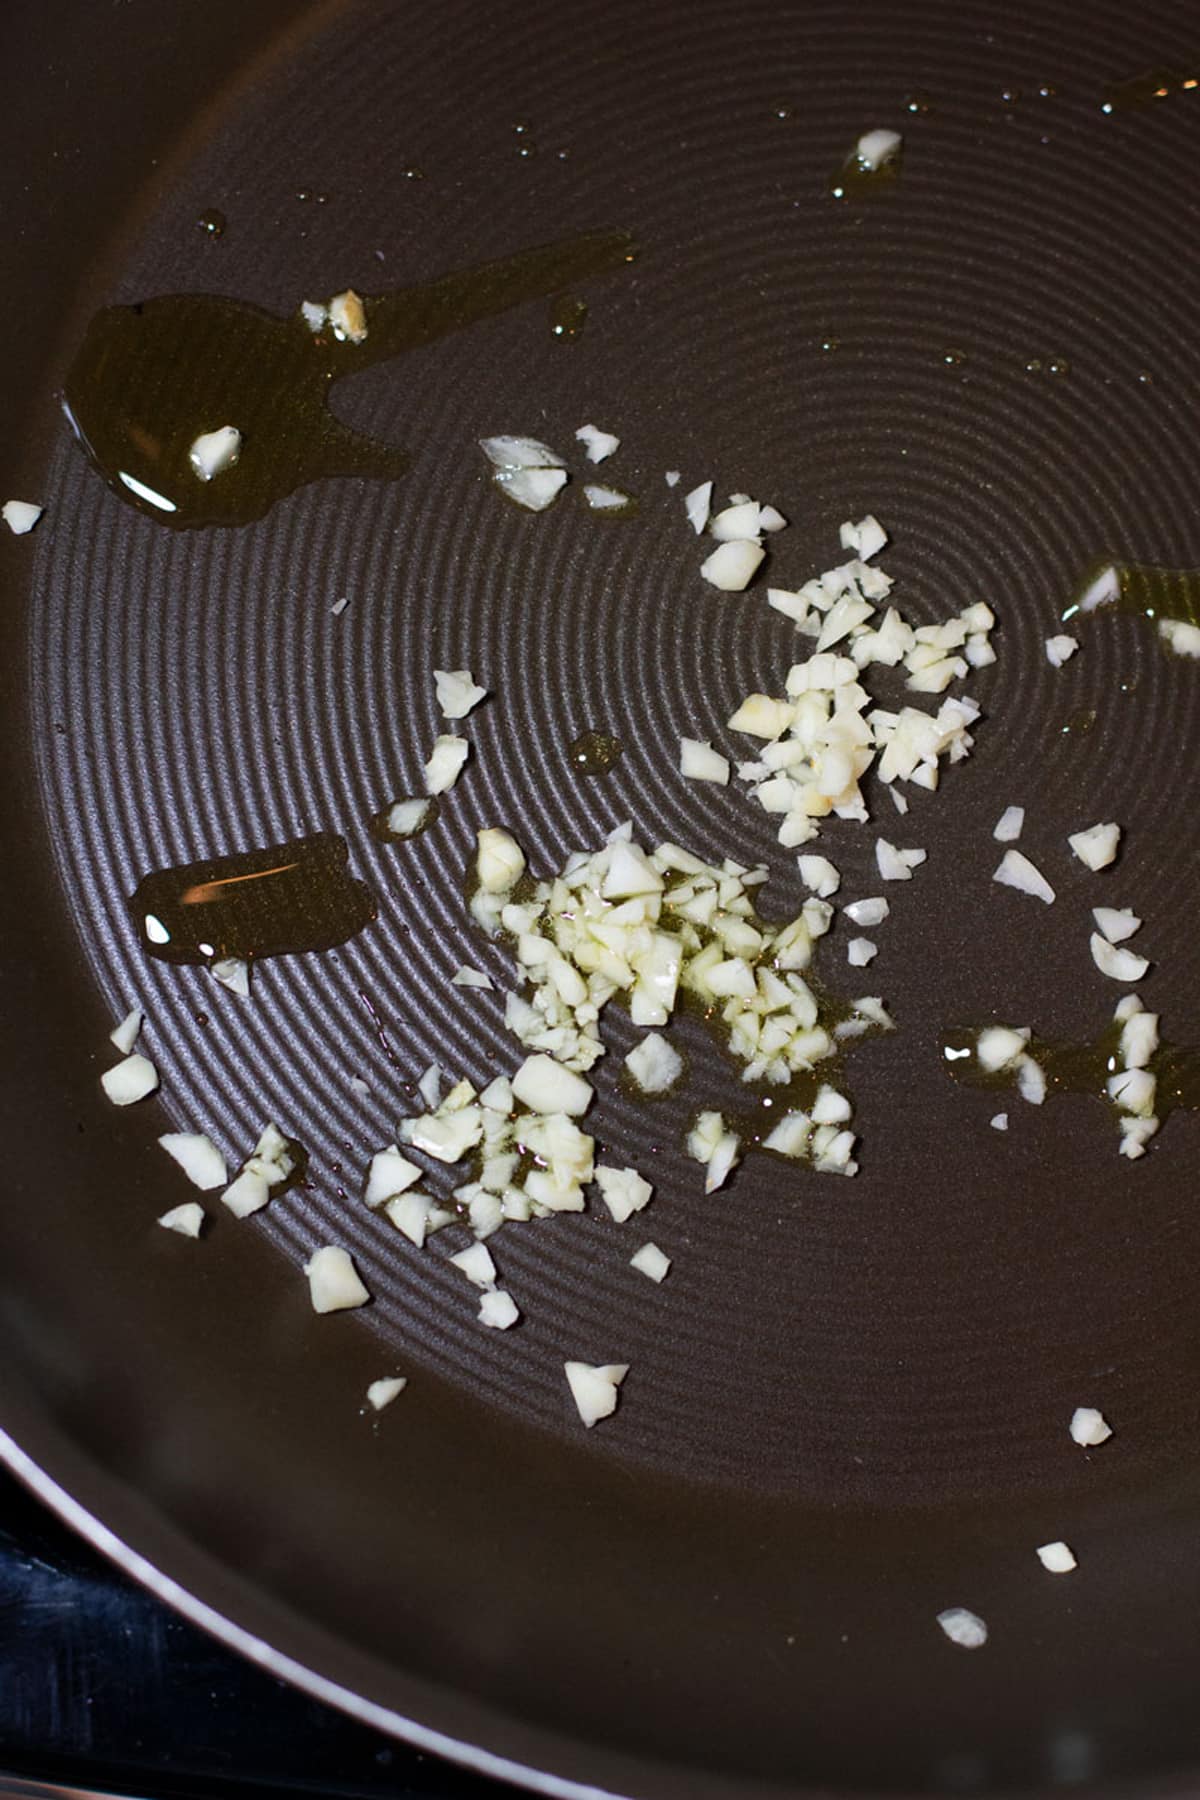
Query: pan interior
point(847, 1406)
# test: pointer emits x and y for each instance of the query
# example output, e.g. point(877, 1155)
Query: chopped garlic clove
point(130, 1081)
point(1089, 1427)
point(594, 1388)
point(672, 477)
point(534, 489)
point(1099, 592)
point(999, 1122)
point(606, 499)
point(964, 1628)
point(651, 1261)
point(1117, 924)
point(1016, 871)
point(215, 451)
point(334, 1283)
point(820, 877)
point(1058, 1557)
point(894, 864)
point(125, 1035)
point(999, 1047)
point(1097, 846)
point(471, 978)
point(867, 912)
point(511, 453)
point(232, 972)
point(1060, 649)
point(600, 444)
point(247, 1193)
point(381, 1393)
point(187, 1220)
point(696, 504)
point(859, 952)
point(476, 1264)
point(348, 316)
point(741, 520)
point(630, 874)
point(875, 148)
point(1031, 1080)
point(698, 761)
point(21, 516)
point(390, 1173)
point(410, 1214)
point(623, 1191)
point(445, 763)
point(457, 692)
point(732, 566)
point(544, 1086)
point(1009, 825)
point(1117, 964)
point(498, 1309)
point(197, 1156)
point(499, 860)
point(314, 314)
point(1181, 636)
point(654, 1064)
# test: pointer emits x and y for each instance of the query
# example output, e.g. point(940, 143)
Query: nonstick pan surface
point(847, 1406)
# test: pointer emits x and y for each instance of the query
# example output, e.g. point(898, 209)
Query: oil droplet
point(149, 378)
point(1010, 96)
point(568, 317)
point(280, 900)
point(1139, 588)
point(527, 148)
point(414, 174)
point(1058, 365)
point(918, 102)
point(783, 109)
point(1146, 89)
point(1048, 92)
point(1079, 723)
point(1034, 366)
point(830, 344)
point(955, 358)
point(212, 222)
point(1145, 379)
point(595, 753)
point(1085, 1068)
point(855, 179)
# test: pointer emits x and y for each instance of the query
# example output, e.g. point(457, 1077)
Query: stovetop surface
point(104, 1688)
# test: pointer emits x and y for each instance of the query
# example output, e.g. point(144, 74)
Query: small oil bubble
point(954, 358)
point(783, 109)
point(595, 753)
point(1048, 92)
point(526, 148)
point(1034, 366)
point(212, 222)
point(414, 174)
point(1080, 723)
point(568, 316)
point(918, 102)
point(830, 344)
point(1010, 96)
point(1058, 365)
point(1145, 379)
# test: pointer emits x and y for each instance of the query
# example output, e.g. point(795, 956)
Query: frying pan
point(847, 1407)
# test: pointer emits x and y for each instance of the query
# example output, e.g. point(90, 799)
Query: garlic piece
point(334, 1283)
point(215, 451)
point(594, 1388)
